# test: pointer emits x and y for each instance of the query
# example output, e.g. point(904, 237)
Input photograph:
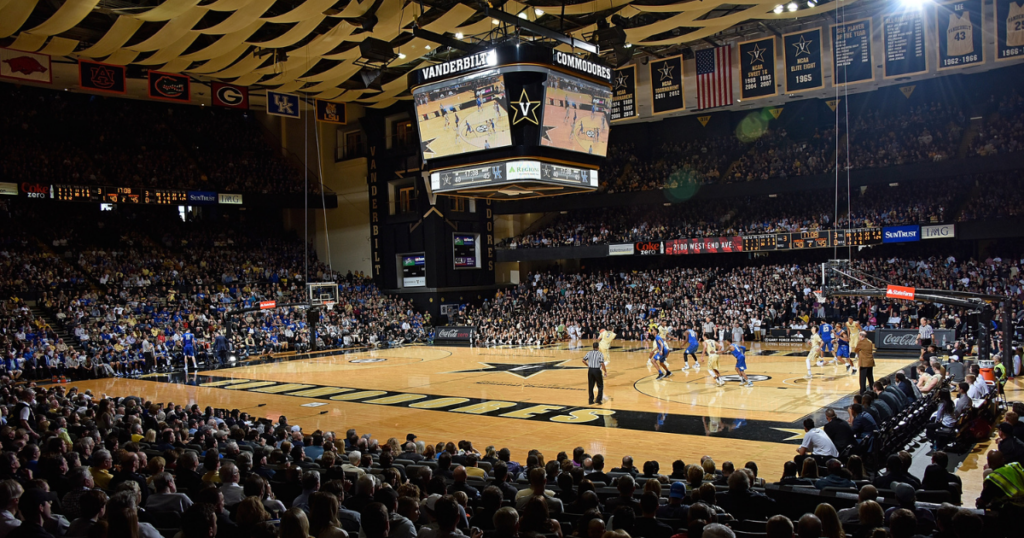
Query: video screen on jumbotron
point(576, 115)
point(463, 115)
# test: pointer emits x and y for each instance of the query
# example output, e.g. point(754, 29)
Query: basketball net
point(329, 305)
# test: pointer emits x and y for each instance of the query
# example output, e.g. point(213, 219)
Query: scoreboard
point(117, 195)
point(812, 239)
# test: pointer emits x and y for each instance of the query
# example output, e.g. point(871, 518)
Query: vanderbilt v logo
point(525, 109)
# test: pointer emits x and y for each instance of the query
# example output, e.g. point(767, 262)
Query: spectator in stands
point(895, 472)
point(676, 507)
point(506, 524)
point(816, 443)
point(460, 477)
point(838, 477)
point(647, 525)
point(1010, 447)
point(907, 499)
point(744, 503)
point(166, 499)
point(790, 478)
point(779, 526)
point(838, 431)
point(102, 462)
point(627, 467)
point(850, 516)
point(626, 486)
point(128, 472)
point(34, 507)
point(538, 482)
point(92, 505)
point(808, 526)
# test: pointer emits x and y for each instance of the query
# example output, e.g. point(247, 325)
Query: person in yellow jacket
point(605, 338)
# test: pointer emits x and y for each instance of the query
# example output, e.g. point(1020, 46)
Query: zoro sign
point(265, 305)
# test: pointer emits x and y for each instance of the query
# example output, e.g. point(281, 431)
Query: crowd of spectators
point(57, 137)
point(77, 464)
point(751, 299)
point(127, 292)
point(775, 155)
point(1005, 132)
point(871, 206)
point(925, 133)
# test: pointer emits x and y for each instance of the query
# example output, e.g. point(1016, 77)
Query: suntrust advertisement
point(901, 234)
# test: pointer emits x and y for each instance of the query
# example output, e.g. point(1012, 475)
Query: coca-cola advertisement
point(907, 338)
point(454, 334)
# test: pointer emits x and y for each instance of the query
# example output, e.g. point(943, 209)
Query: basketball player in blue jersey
point(188, 349)
point(468, 128)
point(739, 351)
point(843, 350)
point(659, 354)
point(691, 349)
point(479, 104)
point(825, 331)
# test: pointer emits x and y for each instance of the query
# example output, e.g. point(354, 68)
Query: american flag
point(714, 77)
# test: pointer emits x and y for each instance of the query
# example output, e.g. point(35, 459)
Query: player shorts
point(741, 365)
point(815, 354)
point(713, 362)
point(660, 357)
point(843, 352)
point(692, 350)
point(826, 345)
point(188, 351)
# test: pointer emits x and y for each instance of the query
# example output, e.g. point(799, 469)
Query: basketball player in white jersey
point(1015, 25)
point(605, 338)
point(959, 35)
point(815, 354)
point(711, 352)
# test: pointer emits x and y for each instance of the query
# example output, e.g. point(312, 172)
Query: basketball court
point(528, 398)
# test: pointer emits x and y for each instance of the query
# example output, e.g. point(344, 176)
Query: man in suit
point(220, 347)
point(839, 431)
point(865, 361)
point(410, 453)
point(627, 467)
point(862, 425)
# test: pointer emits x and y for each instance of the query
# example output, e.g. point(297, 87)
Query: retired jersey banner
point(170, 86)
point(282, 104)
point(30, 66)
point(624, 93)
point(802, 51)
point(230, 96)
point(704, 245)
point(904, 43)
point(757, 68)
point(667, 85)
point(100, 77)
point(851, 52)
point(960, 37)
point(1009, 29)
point(331, 112)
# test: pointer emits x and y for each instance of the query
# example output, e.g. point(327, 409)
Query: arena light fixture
point(459, 35)
point(401, 55)
point(538, 11)
point(495, 22)
point(811, 3)
point(628, 45)
point(778, 9)
point(522, 15)
point(792, 6)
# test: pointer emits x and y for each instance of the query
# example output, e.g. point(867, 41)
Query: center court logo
point(750, 377)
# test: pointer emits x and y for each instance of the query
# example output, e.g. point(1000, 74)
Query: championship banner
point(169, 87)
point(229, 96)
point(282, 104)
point(30, 66)
point(704, 245)
point(330, 112)
point(757, 68)
point(667, 85)
point(1009, 29)
point(100, 77)
point(904, 42)
point(802, 52)
point(851, 52)
point(960, 36)
point(624, 93)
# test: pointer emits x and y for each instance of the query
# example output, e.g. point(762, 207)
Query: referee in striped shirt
point(595, 374)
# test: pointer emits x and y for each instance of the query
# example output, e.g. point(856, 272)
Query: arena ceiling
point(312, 46)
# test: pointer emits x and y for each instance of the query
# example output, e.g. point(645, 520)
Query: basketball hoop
point(329, 305)
point(819, 296)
